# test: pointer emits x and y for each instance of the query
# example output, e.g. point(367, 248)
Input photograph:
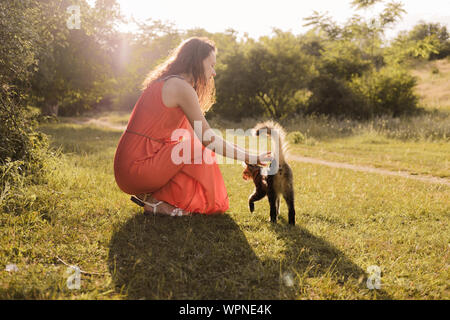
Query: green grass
point(427, 158)
point(346, 222)
point(418, 145)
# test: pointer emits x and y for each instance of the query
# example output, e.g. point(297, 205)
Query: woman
point(176, 95)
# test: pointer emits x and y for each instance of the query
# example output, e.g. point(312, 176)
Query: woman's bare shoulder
point(176, 89)
point(177, 84)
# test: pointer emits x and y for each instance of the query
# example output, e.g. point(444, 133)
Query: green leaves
point(72, 64)
point(425, 41)
point(324, 23)
point(18, 39)
point(363, 4)
point(263, 78)
point(391, 14)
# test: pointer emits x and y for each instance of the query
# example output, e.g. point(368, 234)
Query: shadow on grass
point(181, 258)
point(81, 139)
point(210, 258)
point(309, 256)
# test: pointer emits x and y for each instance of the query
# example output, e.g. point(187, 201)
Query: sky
point(258, 17)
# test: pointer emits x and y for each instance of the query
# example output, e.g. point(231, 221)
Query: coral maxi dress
point(143, 160)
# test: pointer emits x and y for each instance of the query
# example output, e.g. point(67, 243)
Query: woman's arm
point(186, 97)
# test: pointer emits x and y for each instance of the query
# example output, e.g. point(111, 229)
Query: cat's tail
point(280, 147)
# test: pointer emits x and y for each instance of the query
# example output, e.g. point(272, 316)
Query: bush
point(332, 96)
point(264, 79)
point(297, 137)
point(386, 92)
point(22, 150)
point(389, 91)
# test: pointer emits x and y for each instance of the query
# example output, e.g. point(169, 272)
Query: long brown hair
point(188, 58)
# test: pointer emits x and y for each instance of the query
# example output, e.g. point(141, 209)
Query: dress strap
point(172, 76)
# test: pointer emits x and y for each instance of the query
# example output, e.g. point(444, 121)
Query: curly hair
point(188, 58)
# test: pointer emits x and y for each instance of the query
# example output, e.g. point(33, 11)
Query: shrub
point(297, 137)
point(332, 96)
point(22, 150)
point(386, 92)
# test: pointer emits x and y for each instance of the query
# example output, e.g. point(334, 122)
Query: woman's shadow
point(210, 258)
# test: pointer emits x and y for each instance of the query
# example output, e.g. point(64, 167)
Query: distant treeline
point(65, 57)
point(333, 69)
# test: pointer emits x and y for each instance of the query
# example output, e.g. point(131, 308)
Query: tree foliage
point(427, 41)
point(21, 147)
point(19, 39)
point(267, 78)
point(74, 64)
point(43, 63)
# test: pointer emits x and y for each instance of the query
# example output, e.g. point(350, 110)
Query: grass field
point(425, 158)
point(433, 83)
point(346, 222)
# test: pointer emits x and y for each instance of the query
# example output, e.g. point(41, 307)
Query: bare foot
point(163, 208)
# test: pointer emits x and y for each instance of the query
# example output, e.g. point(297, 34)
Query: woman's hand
point(260, 159)
point(265, 157)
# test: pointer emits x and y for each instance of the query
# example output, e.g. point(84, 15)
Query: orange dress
point(145, 165)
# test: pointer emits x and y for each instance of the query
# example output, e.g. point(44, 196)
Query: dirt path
point(99, 123)
point(403, 174)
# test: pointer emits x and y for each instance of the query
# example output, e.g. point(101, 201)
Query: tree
point(355, 77)
point(19, 38)
point(266, 78)
point(21, 148)
point(74, 64)
point(426, 40)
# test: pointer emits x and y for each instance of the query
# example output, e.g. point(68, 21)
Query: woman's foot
point(155, 206)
